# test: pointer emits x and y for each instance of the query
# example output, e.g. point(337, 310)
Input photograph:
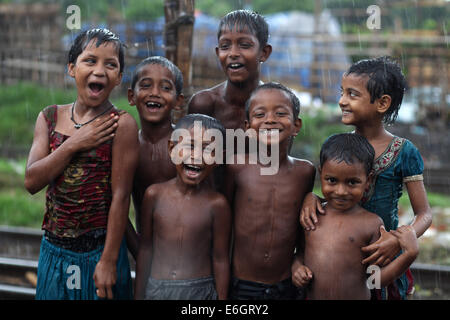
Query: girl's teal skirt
point(68, 275)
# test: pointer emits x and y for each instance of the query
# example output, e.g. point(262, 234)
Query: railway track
point(19, 252)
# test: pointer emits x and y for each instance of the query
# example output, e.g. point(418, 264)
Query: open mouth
point(96, 87)
point(269, 132)
point(235, 66)
point(346, 112)
point(153, 105)
point(192, 170)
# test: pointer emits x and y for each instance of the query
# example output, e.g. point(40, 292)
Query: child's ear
point(170, 146)
point(246, 124)
point(265, 53)
point(297, 126)
point(217, 51)
point(180, 100)
point(130, 93)
point(384, 103)
point(370, 177)
point(119, 79)
point(71, 69)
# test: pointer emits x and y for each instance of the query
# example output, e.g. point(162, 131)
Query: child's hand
point(308, 215)
point(105, 275)
point(383, 251)
point(406, 236)
point(95, 133)
point(301, 276)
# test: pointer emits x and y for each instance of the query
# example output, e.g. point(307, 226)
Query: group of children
point(250, 236)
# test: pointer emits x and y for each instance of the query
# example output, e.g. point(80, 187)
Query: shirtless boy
point(265, 207)
point(242, 48)
point(156, 89)
point(184, 247)
point(333, 255)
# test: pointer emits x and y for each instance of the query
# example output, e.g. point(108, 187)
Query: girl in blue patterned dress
point(372, 92)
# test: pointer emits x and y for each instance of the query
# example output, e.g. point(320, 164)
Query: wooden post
point(178, 36)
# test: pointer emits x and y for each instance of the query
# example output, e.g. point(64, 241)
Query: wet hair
point(295, 103)
point(246, 20)
point(350, 148)
point(385, 77)
point(164, 62)
point(188, 121)
point(102, 36)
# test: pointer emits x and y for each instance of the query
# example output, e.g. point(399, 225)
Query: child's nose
point(234, 51)
point(99, 70)
point(155, 91)
point(342, 100)
point(341, 189)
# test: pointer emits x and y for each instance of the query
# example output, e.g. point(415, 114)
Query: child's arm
point(419, 202)
point(301, 274)
point(221, 247)
point(311, 205)
point(145, 252)
point(132, 239)
point(124, 161)
point(387, 247)
point(406, 236)
point(44, 167)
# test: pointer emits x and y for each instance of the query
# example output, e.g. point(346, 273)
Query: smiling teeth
point(153, 105)
point(192, 167)
point(269, 131)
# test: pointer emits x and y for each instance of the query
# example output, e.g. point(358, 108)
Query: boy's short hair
point(295, 102)
point(102, 35)
point(348, 147)
point(385, 77)
point(188, 121)
point(246, 20)
point(164, 62)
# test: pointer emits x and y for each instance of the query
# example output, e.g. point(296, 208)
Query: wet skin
point(333, 251)
point(154, 97)
point(265, 207)
point(185, 229)
point(240, 56)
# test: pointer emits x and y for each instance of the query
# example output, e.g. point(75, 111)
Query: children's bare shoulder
point(302, 166)
point(204, 101)
point(372, 220)
point(218, 202)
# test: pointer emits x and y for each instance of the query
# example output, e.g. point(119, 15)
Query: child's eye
point(330, 180)
point(112, 65)
point(246, 45)
point(281, 114)
point(224, 46)
point(166, 87)
point(353, 182)
point(90, 61)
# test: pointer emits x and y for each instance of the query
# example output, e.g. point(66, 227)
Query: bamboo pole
point(178, 32)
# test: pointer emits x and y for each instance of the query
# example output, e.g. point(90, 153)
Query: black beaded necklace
point(79, 125)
